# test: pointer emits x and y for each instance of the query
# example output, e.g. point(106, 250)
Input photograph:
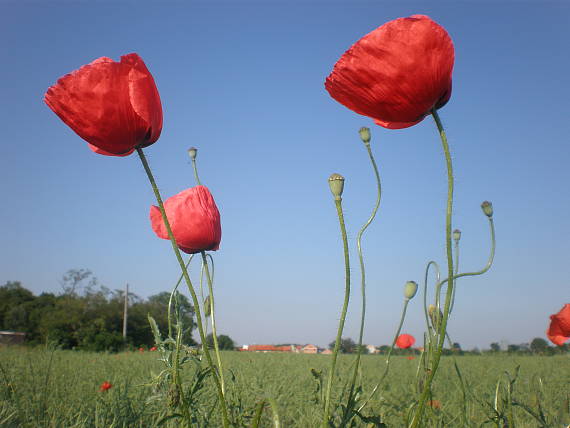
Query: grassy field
point(42, 388)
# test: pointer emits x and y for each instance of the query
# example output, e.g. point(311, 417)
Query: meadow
point(57, 388)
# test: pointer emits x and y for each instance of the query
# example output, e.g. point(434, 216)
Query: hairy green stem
point(362, 270)
point(387, 368)
point(223, 404)
point(195, 168)
point(172, 294)
point(213, 318)
point(338, 204)
point(442, 328)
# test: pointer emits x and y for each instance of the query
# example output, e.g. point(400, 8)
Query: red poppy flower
point(559, 330)
point(141, 349)
point(405, 341)
point(411, 357)
point(397, 73)
point(105, 386)
point(436, 404)
point(194, 219)
point(152, 349)
point(114, 106)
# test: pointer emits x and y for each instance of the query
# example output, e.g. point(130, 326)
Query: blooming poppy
point(411, 357)
point(436, 404)
point(559, 330)
point(405, 341)
point(397, 73)
point(152, 349)
point(141, 349)
point(114, 106)
point(194, 219)
point(105, 386)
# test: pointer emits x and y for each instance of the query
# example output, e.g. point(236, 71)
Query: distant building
point(309, 349)
point(372, 349)
point(327, 352)
point(12, 338)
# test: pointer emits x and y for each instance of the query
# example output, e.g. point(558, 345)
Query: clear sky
point(243, 82)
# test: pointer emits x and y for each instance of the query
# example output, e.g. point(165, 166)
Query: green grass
point(42, 388)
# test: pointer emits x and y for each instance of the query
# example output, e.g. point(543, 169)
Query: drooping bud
point(456, 235)
point(435, 316)
point(207, 307)
point(487, 208)
point(192, 151)
point(410, 289)
point(364, 134)
point(336, 183)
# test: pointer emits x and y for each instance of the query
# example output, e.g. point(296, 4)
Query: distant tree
point(513, 349)
point(224, 342)
point(76, 279)
point(538, 345)
point(347, 345)
point(12, 294)
point(383, 348)
point(495, 347)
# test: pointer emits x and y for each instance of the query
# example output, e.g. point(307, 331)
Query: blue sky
point(243, 82)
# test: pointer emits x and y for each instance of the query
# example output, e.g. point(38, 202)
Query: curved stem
point(362, 270)
point(338, 204)
point(213, 318)
point(172, 294)
point(489, 262)
point(195, 168)
point(386, 369)
point(441, 334)
point(190, 286)
point(437, 277)
point(456, 270)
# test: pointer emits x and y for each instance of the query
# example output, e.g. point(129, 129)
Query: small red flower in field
point(194, 219)
point(435, 404)
point(105, 386)
point(152, 349)
point(141, 349)
point(411, 357)
point(114, 106)
point(559, 330)
point(405, 341)
point(397, 73)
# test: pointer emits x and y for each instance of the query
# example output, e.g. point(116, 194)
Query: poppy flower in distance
point(194, 219)
point(397, 73)
point(152, 349)
point(559, 330)
point(405, 341)
point(105, 386)
point(114, 106)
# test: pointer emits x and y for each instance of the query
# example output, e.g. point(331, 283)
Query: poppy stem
point(338, 204)
point(387, 368)
point(190, 286)
point(172, 295)
point(361, 261)
point(195, 168)
point(213, 319)
point(449, 251)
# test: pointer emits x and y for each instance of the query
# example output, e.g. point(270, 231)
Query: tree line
point(87, 315)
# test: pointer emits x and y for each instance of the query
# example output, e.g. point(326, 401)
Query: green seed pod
point(207, 307)
point(410, 289)
point(192, 151)
point(364, 134)
point(487, 208)
point(456, 235)
point(336, 183)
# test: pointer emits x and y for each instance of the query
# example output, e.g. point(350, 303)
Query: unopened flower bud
point(487, 208)
point(435, 316)
point(207, 307)
point(336, 183)
point(193, 151)
point(410, 289)
point(456, 235)
point(364, 134)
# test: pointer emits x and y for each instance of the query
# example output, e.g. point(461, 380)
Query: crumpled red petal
point(559, 329)
point(397, 73)
point(194, 219)
point(114, 106)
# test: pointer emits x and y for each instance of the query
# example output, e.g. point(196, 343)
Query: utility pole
point(125, 311)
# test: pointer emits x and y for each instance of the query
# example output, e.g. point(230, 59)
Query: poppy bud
point(435, 316)
point(410, 289)
point(364, 134)
point(193, 151)
point(487, 208)
point(456, 235)
point(207, 307)
point(336, 183)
